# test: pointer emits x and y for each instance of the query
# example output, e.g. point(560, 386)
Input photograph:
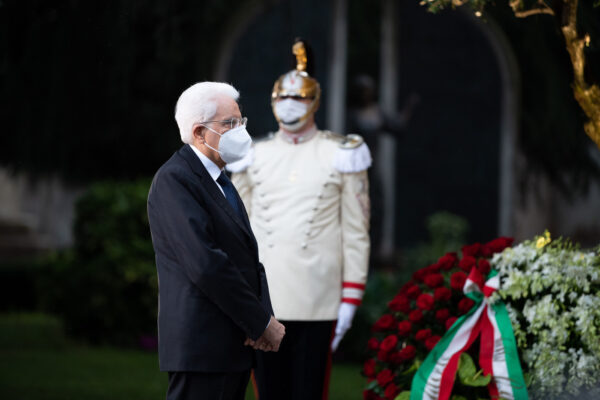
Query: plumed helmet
point(298, 82)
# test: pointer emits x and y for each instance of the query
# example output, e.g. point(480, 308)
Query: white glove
point(344, 322)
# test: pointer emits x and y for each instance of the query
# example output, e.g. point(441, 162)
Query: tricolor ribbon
point(498, 354)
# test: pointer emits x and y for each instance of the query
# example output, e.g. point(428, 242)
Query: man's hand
point(270, 339)
point(344, 322)
point(260, 344)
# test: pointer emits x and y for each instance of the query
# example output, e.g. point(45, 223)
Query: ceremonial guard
point(306, 191)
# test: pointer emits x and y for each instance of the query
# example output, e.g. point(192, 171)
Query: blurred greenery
point(39, 364)
point(105, 288)
point(31, 331)
point(447, 233)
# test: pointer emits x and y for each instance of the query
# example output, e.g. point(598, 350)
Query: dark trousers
point(207, 385)
point(300, 369)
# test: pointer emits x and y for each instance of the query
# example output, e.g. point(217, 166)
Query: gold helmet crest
point(297, 82)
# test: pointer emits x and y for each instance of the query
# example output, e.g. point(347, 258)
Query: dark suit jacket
point(212, 289)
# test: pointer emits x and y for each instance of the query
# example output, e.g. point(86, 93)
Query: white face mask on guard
point(289, 112)
point(234, 144)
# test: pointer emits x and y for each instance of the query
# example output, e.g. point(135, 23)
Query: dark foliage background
point(105, 288)
point(551, 121)
point(88, 87)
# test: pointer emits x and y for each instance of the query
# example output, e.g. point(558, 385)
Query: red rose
point(433, 268)
point(369, 395)
point(369, 368)
point(389, 343)
point(442, 294)
point(486, 251)
point(394, 357)
point(415, 316)
point(467, 263)
point(407, 353)
point(400, 303)
point(465, 305)
point(423, 334)
point(434, 280)
point(447, 261)
point(404, 328)
point(391, 391)
point(419, 275)
point(406, 286)
point(386, 321)
point(383, 355)
point(413, 292)
point(457, 280)
point(499, 244)
point(484, 266)
point(385, 377)
point(450, 321)
point(471, 250)
point(442, 315)
point(373, 344)
point(432, 341)
point(425, 301)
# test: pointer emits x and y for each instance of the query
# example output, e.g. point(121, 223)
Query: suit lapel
point(211, 187)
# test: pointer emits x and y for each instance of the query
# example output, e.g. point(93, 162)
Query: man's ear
point(198, 132)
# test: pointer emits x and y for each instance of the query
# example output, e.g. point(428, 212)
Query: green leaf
point(457, 397)
point(404, 395)
point(413, 368)
point(372, 385)
point(468, 374)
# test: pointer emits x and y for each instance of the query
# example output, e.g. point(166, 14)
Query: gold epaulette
point(350, 141)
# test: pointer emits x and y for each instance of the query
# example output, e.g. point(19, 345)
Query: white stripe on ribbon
point(499, 365)
point(432, 387)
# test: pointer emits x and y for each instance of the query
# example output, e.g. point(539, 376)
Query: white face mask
point(289, 112)
point(234, 144)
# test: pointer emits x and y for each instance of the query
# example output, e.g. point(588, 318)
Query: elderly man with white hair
point(214, 304)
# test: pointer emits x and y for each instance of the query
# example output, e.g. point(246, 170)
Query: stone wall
point(35, 214)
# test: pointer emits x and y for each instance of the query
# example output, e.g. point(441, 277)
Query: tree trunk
point(587, 96)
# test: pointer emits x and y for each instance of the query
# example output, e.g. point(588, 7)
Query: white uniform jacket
point(309, 209)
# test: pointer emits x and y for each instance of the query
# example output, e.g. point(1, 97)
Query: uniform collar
point(295, 138)
point(213, 169)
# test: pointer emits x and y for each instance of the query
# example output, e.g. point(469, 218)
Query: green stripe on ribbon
point(513, 366)
point(510, 351)
point(422, 375)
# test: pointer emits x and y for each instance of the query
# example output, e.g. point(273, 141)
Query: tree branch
point(587, 96)
point(542, 9)
point(535, 11)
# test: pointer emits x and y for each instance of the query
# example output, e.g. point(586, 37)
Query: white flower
point(552, 296)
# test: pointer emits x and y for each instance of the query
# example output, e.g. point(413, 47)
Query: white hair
point(198, 103)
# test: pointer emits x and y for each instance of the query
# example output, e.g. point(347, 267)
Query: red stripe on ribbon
point(356, 302)
point(487, 291)
point(477, 277)
point(353, 285)
point(486, 351)
point(449, 373)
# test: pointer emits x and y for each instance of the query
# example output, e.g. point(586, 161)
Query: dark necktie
point(229, 191)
